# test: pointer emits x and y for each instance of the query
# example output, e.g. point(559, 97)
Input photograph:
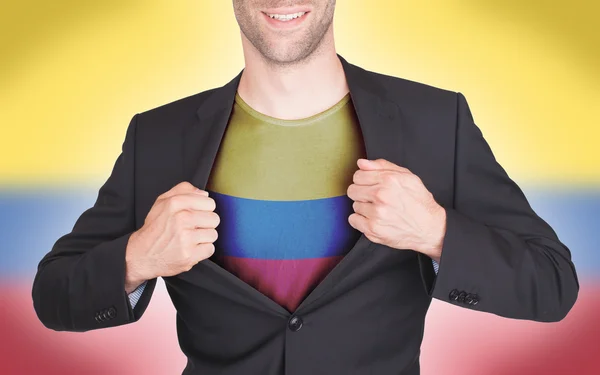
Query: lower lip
point(285, 24)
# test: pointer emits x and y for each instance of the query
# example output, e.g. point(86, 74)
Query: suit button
point(295, 323)
point(453, 295)
point(469, 299)
point(461, 297)
point(112, 312)
point(472, 299)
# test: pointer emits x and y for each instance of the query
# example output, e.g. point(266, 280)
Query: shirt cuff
point(134, 296)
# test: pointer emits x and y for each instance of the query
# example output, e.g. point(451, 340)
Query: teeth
point(286, 17)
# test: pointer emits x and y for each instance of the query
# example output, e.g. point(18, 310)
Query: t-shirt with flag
point(280, 192)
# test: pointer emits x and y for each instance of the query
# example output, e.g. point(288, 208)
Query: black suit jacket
point(367, 315)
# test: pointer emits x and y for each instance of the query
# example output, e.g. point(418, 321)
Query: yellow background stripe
point(74, 73)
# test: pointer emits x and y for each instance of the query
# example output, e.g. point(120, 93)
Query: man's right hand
point(178, 232)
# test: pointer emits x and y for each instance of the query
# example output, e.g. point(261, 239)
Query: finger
point(203, 235)
point(187, 219)
point(182, 188)
point(202, 251)
point(364, 177)
point(364, 209)
point(190, 201)
point(360, 193)
point(379, 164)
point(357, 221)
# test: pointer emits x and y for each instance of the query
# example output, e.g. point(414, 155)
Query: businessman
point(304, 215)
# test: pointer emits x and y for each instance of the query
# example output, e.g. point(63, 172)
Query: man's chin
point(285, 56)
point(285, 60)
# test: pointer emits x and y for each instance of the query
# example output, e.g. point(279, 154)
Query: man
point(298, 216)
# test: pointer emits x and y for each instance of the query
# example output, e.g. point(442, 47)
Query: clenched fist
point(178, 232)
point(393, 207)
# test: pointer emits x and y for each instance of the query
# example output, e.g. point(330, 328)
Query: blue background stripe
point(32, 221)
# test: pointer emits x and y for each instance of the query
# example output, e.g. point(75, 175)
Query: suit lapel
point(380, 124)
point(202, 138)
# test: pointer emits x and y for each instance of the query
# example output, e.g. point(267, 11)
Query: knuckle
point(412, 179)
point(176, 203)
point(379, 194)
point(388, 178)
point(185, 238)
point(370, 227)
point(181, 217)
point(185, 255)
point(380, 210)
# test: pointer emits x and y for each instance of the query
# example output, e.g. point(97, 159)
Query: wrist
point(434, 248)
point(134, 275)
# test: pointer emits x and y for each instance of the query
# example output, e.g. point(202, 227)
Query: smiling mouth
point(286, 17)
point(285, 20)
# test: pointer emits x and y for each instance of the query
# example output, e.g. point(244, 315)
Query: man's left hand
point(393, 207)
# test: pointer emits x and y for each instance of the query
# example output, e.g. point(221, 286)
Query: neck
point(293, 91)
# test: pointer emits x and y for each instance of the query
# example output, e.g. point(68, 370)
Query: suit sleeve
point(498, 255)
point(80, 284)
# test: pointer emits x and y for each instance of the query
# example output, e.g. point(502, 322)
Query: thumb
point(380, 164)
point(367, 164)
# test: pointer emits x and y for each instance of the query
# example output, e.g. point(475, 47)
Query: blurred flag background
point(73, 73)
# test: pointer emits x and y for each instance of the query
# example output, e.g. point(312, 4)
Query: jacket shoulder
point(182, 109)
point(409, 93)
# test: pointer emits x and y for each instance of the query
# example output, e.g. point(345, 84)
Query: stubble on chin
point(292, 52)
